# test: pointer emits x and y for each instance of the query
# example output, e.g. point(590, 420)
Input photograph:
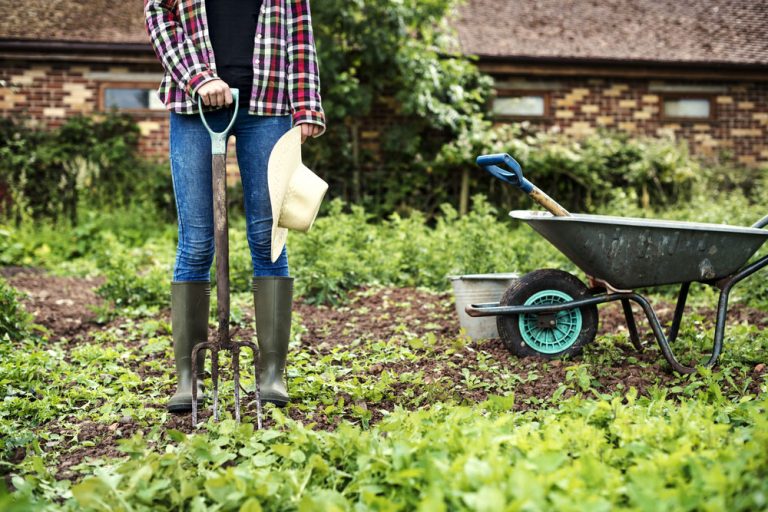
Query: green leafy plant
point(14, 319)
point(133, 277)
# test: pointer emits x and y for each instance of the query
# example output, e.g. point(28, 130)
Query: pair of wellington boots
point(190, 303)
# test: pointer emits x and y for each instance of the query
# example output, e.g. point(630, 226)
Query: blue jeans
point(192, 174)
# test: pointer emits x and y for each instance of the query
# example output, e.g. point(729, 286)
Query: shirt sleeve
point(303, 69)
point(177, 53)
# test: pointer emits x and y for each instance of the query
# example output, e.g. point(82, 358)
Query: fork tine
point(256, 355)
point(194, 390)
point(236, 372)
point(195, 350)
point(215, 382)
point(257, 374)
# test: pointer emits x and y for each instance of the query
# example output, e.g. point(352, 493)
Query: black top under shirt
point(232, 27)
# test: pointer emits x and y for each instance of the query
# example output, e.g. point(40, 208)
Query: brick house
point(695, 68)
point(59, 58)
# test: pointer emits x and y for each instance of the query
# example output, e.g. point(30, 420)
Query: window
point(130, 97)
point(684, 107)
point(521, 104)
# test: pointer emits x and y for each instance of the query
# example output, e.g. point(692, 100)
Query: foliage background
point(80, 201)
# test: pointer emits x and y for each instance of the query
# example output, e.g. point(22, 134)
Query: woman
point(266, 49)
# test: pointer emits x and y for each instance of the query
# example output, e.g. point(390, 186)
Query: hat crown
point(302, 200)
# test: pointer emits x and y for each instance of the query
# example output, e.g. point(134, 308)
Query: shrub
point(14, 319)
point(580, 174)
point(347, 250)
point(46, 174)
point(135, 277)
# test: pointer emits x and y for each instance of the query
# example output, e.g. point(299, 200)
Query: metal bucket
point(477, 289)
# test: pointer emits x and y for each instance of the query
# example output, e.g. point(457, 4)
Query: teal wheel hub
point(562, 330)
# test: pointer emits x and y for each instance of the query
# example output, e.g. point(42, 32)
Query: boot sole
point(277, 401)
point(185, 406)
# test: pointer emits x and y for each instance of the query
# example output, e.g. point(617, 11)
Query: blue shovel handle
point(219, 139)
point(514, 176)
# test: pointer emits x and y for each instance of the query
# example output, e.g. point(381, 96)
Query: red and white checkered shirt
point(286, 76)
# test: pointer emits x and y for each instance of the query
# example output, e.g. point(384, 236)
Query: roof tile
point(695, 31)
point(101, 21)
point(703, 31)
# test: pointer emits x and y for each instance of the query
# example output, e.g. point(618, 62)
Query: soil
point(65, 307)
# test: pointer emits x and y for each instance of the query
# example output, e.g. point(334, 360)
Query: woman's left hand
point(309, 130)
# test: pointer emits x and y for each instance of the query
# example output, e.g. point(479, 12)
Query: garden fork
point(223, 340)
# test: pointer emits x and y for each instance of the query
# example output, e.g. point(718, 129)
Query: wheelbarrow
point(551, 313)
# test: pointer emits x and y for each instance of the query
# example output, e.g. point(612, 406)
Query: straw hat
point(294, 191)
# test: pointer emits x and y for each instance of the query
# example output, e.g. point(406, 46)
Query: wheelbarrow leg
point(722, 303)
point(676, 320)
point(631, 325)
point(664, 341)
point(658, 332)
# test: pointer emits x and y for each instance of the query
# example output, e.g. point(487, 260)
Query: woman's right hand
point(215, 93)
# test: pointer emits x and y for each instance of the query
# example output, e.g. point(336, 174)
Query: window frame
point(510, 93)
point(103, 86)
point(710, 98)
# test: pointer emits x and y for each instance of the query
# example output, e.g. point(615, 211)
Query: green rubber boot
point(272, 300)
point(190, 302)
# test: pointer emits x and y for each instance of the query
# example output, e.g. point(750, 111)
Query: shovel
point(223, 340)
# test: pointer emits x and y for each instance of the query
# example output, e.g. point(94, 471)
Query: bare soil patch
point(64, 305)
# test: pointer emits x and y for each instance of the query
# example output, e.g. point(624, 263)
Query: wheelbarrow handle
point(515, 177)
point(761, 223)
point(219, 139)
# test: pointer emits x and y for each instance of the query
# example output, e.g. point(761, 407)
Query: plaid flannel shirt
point(286, 76)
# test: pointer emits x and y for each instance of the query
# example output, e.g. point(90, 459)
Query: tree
point(399, 55)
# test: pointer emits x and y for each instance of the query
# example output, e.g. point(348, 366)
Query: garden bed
point(407, 338)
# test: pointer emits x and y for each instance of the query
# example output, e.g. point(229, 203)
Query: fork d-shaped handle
point(219, 139)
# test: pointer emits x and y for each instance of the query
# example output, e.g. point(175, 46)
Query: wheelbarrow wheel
point(550, 336)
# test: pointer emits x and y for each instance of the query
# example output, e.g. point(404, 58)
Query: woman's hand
point(309, 130)
point(215, 93)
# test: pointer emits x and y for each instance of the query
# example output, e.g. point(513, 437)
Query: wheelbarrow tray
point(632, 253)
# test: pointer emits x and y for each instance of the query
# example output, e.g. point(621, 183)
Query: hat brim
point(295, 192)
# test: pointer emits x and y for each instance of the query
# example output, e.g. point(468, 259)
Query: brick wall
point(45, 95)
point(738, 126)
